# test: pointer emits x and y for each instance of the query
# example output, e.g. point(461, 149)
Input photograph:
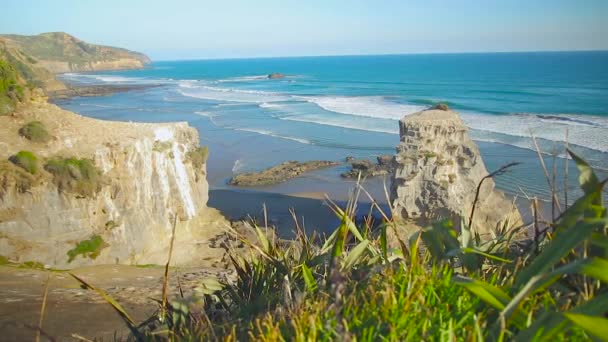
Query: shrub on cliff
point(79, 176)
point(11, 91)
point(35, 131)
point(199, 156)
point(14, 177)
point(25, 160)
point(89, 248)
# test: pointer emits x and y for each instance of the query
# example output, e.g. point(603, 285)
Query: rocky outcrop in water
point(275, 75)
point(102, 192)
point(384, 165)
point(437, 173)
point(279, 173)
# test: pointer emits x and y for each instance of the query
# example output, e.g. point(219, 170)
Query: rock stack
point(437, 173)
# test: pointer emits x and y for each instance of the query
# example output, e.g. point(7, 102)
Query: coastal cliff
point(438, 168)
point(59, 52)
point(99, 192)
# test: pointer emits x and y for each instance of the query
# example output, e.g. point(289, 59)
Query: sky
point(193, 29)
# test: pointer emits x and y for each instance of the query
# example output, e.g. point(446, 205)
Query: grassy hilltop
point(61, 52)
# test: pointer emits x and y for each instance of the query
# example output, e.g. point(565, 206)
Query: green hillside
point(61, 52)
point(64, 47)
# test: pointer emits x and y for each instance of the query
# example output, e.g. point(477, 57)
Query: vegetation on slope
point(15, 177)
point(35, 131)
point(25, 160)
point(79, 176)
point(89, 248)
point(438, 285)
point(11, 91)
point(199, 156)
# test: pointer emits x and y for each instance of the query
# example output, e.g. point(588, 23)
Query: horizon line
point(379, 54)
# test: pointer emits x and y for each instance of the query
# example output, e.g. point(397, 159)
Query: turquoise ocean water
point(333, 107)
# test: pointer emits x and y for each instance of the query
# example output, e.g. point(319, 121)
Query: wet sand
point(313, 213)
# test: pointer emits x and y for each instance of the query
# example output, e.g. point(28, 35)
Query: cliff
point(437, 173)
point(77, 191)
point(60, 52)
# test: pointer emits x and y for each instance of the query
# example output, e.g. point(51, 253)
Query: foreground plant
point(437, 285)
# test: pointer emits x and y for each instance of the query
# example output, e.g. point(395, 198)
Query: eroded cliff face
point(147, 177)
point(438, 170)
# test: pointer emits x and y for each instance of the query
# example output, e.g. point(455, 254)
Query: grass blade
point(43, 308)
point(563, 243)
point(596, 326)
point(117, 307)
point(552, 323)
point(486, 292)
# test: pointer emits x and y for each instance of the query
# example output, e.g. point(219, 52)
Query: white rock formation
point(147, 179)
point(438, 170)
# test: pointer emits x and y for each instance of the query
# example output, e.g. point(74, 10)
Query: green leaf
point(208, 286)
point(383, 242)
point(587, 178)
point(355, 255)
point(484, 291)
point(559, 247)
point(466, 236)
point(487, 255)
point(329, 243)
point(551, 323)
point(263, 239)
point(596, 326)
point(413, 241)
point(309, 279)
point(338, 247)
point(595, 268)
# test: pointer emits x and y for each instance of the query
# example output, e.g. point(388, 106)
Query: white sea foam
point(238, 166)
point(244, 78)
point(200, 91)
point(275, 135)
point(271, 105)
point(112, 79)
point(583, 130)
point(336, 122)
point(368, 106)
point(206, 114)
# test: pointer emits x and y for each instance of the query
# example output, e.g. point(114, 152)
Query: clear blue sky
point(188, 29)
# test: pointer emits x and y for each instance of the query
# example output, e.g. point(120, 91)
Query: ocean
point(333, 107)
